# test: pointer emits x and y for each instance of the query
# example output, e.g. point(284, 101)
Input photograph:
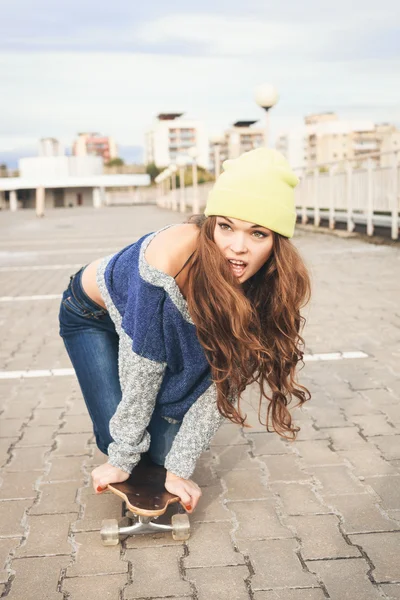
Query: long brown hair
point(251, 332)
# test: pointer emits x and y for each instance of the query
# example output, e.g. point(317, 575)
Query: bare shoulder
point(170, 248)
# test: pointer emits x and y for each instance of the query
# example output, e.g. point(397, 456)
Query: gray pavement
point(314, 519)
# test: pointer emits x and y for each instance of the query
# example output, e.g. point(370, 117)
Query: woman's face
point(245, 245)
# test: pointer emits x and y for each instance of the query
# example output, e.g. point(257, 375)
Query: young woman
point(166, 334)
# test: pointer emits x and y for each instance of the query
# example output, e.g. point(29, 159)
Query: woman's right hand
point(187, 490)
point(105, 474)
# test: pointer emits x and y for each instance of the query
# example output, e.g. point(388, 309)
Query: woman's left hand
point(187, 490)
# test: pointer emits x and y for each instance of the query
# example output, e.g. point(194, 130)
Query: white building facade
point(66, 181)
point(60, 167)
point(172, 136)
point(241, 137)
point(324, 138)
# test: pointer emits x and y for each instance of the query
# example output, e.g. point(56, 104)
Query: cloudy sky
point(91, 65)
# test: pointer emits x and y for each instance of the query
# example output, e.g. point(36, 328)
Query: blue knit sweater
point(159, 330)
point(162, 366)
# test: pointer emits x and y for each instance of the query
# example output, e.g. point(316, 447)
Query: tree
point(153, 170)
point(115, 162)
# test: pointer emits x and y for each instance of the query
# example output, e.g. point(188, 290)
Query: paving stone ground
point(314, 519)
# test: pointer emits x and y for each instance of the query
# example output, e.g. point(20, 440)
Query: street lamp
point(173, 169)
point(161, 179)
point(181, 162)
point(266, 96)
point(216, 141)
point(157, 181)
point(195, 204)
point(167, 174)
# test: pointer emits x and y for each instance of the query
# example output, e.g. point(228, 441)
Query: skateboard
point(147, 499)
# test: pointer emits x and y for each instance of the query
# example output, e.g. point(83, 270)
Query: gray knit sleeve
point(140, 379)
point(199, 425)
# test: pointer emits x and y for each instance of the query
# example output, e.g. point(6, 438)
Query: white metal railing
point(354, 194)
point(184, 198)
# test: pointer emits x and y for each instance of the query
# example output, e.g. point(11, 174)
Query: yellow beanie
point(257, 187)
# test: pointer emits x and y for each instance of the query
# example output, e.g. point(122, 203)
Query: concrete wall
point(71, 196)
point(59, 167)
point(56, 197)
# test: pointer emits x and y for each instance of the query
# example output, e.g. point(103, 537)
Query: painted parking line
point(54, 242)
point(7, 255)
point(40, 373)
point(334, 356)
point(39, 268)
point(30, 298)
point(69, 372)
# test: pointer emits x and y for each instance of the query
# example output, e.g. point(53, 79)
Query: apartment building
point(241, 137)
point(389, 140)
point(94, 144)
point(293, 144)
point(325, 138)
point(171, 136)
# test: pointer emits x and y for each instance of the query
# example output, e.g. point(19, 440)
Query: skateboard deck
point(144, 491)
point(146, 497)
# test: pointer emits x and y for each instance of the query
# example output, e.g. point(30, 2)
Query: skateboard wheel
point(180, 527)
point(109, 532)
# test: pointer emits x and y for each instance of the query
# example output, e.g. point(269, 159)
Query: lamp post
point(157, 181)
point(181, 162)
point(165, 186)
point(216, 141)
point(195, 203)
point(162, 188)
point(162, 178)
point(173, 169)
point(167, 174)
point(266, 96)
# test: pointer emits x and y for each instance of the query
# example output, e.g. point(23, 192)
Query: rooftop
point(244, 123)
point(168, 116)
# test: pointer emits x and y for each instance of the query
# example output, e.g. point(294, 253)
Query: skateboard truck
point(146, 497)
point(111, 533)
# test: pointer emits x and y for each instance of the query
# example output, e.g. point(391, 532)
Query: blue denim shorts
point(92, 344)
